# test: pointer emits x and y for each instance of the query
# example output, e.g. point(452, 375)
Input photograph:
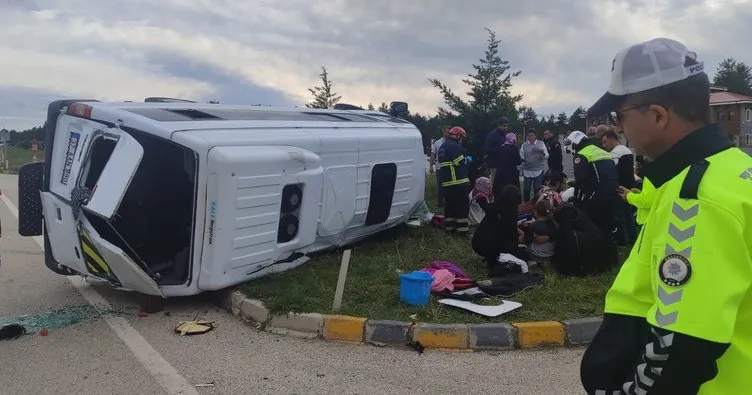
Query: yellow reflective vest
point(690, 270)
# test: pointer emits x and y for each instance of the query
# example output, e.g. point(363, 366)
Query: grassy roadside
point(18, 157)
point(372, 287)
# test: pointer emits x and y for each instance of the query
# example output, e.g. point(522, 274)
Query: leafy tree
point(528, 119)
point(371, 107)
point(551, 123)
point(561, 126)
point(490, 96)
point(735, 76)
point(323, 96)
point(430, 128)
point(547, 123)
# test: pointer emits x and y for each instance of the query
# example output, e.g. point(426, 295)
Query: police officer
point(555, 156)
point(596, 184)
point(678, 318)
point(454, 180)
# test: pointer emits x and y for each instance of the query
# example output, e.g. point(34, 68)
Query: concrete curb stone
point(446, 336)
point(344, 328)
point(254, 310)
point(540, 334)
point(457, 337)
point(387, 332)
point(496, 336)
point(309, 324)
point(582, 330)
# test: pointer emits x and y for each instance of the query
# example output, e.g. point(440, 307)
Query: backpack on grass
point(581, 247)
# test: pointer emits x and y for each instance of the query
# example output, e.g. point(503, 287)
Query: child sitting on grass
point(538, 236)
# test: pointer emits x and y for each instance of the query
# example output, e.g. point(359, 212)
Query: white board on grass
point(489, 311)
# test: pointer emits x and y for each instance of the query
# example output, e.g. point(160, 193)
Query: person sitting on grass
point(539, 235)
point(553, 183)
point(556, 181)
point(480, 198)
point(498, 233)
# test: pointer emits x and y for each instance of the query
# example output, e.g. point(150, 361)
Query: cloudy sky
point(270, 51)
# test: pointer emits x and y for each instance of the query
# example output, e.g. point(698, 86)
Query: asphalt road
point(127, 354)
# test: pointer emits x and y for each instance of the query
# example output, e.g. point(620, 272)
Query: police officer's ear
point(658, 115)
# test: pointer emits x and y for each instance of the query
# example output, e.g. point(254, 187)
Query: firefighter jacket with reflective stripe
point(453, 163)
point(688, 279)
point(596, 177)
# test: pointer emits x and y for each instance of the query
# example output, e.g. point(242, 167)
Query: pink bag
point(442, 280)
point(459, 279)
point(454, 269)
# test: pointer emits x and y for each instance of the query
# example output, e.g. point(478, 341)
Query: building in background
point(734, 113)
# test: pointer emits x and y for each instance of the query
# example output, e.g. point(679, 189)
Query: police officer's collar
point(582, 144)
point(698, 145)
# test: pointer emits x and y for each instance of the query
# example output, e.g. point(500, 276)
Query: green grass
point(18, 157)
point(372, 287)
point(430, 193)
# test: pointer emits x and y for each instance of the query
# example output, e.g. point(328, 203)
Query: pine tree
point(735, 76)
point(490, 95)
point(324, 95)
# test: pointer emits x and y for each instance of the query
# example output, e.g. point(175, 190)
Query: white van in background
point(175, 198)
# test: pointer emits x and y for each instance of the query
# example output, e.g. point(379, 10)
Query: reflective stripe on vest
point(691, 269)
point(451, 165)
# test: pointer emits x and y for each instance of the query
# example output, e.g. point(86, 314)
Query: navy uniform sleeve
point(584, 178)
point(607, 182)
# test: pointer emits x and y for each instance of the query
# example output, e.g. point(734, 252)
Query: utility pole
point(584, 116)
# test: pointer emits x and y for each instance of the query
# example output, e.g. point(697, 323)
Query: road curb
point(442, 336)
point(344, 328)
point(453, 337)
point(539, 334)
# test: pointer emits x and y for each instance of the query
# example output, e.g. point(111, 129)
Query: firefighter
point(455, 181)
point(596, 181)
point(678, 317)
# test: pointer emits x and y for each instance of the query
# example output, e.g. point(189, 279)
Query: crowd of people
point(677, 317)
point(511, 200)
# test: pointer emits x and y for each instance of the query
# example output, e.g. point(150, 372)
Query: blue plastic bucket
point(415, 288)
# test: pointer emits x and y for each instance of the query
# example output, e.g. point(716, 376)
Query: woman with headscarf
point(498, 232)
point(480, 197)
point(508, 172)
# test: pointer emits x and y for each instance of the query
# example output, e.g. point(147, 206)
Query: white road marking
point(167, 377)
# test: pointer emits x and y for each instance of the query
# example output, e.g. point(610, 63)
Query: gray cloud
point(266, 51)
point(229, 89)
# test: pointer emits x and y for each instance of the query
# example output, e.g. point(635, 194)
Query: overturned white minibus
point(175, 198)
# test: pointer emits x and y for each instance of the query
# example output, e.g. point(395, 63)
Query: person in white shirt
point(534, 156)
point(434, 166)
